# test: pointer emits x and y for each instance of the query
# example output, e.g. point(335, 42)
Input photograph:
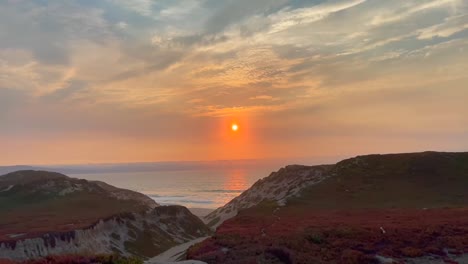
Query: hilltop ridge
point(388, 208)
point(426, 179)
point(47, 213)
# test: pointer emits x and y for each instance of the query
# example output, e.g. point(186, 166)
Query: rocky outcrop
point(133, 234)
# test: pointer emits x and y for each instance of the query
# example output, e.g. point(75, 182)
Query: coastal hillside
point(46, 213)
point(368, 209)
point(279, 187)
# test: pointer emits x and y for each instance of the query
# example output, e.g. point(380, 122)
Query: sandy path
point(174, 254)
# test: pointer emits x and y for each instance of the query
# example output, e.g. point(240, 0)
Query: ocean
point(193, 188)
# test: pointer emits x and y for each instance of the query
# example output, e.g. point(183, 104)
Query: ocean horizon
point(192, 188)
point(193, 184)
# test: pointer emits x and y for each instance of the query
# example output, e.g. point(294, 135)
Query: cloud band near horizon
point(142, 80)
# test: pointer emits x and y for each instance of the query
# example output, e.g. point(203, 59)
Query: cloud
point(287, 18)
point(219, 111)
point(263, 97)
point(47, 31)
point(450, 26)
point(235, 11)
point(181, 9)
point(412, 8)
point(137, 70)
point(122, 25)
point(142, 7)
point(71, 89)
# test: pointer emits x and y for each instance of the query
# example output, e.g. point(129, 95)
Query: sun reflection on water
point(236, 182)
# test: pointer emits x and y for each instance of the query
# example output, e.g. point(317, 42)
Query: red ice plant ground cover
point(293, 235)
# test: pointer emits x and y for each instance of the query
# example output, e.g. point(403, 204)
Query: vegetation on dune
point(398, 206)
point(355, 236)
point(415, 180)
point(50, 213)
point(35, 202)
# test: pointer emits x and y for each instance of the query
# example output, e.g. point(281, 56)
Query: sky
point(139, 80)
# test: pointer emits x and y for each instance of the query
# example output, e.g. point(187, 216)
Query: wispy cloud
point(263, 97)
point(446, 29)
point(136, 69)
point(411, 8)
point(142, 7)
point(287, 18)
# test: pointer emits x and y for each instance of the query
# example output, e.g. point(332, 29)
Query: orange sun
point(234, 127)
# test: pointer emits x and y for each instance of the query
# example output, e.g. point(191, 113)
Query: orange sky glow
point(133, 81)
